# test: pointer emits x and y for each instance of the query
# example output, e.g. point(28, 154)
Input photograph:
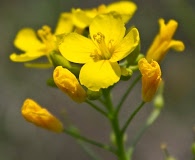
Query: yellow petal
point(83, 18)
point(126, 46)
point(39, 116)
point(77, 48)
point(38, 65)
point(158, 53)
point(125, 8)
point(65, 24)
point(177, 45)
point(110, 25)
point(27, 40)
point(167, 30)
point(100, 74)
point(164, 41)
point(28, 56)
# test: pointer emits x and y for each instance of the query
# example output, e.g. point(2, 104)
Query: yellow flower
point(39, 116)
point(27, 41)
point(83, 18)
point(69, 84)
point(151, 78)
point(35, 45)
point(65, 24)
point(101, 53)
point(163, 41)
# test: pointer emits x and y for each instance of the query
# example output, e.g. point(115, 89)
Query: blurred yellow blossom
point(39, 116)
point(65, 23)
point(68, 83)
point(83, 18)
point(101, 52)
point(163, 41)
point(35, 45)
point(151, 78)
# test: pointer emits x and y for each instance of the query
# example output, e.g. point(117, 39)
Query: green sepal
point(126, 73)
point(58, 60)
point(93, 95)
point(50, 82)
point(131, 58)
point(159, 99)
point(75, 69)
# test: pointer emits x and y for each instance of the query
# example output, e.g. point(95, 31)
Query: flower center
point(105, 53)
point(47, 38)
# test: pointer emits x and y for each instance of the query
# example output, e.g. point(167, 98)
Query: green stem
point(118, 139)
point(108, 100)
point(76, 135)
point(151, 119)
point(88, 150)
point(113, 117)
point(102, 101)
point(127, 93)
point(97, 108)
point(132, 116)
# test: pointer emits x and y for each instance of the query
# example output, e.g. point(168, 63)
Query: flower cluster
point(91, 50)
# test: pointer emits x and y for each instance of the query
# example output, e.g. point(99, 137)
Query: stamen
point(104, 49)
point(47, 38)
point(95, 56)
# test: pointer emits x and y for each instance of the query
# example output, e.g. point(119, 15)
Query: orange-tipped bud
point(151, 78)
point(41, 117)
point(68, 83)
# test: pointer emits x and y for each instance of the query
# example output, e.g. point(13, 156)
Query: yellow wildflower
point(101, 53)
point(65, 24)
point(83, 18)
point(163, 41)
point(69, 84)
point(39, 116)
point(151, 78)
point(42, 43)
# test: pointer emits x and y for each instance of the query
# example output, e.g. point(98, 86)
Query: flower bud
point(68, 83)
point(159, 99)
point(39, 116)
point(126, 73)
point(151, 78)
point(193, 148)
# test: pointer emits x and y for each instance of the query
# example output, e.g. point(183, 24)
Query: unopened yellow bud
point(68, 83)
point(39, 116)
point(151, 78)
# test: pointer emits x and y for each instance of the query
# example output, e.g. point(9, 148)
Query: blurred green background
point(20, 140)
